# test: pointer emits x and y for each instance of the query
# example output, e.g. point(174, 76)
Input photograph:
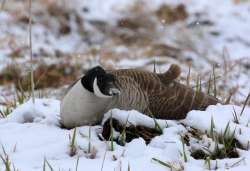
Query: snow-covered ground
point(92, 32)
point(87, 33)
point(31, 134)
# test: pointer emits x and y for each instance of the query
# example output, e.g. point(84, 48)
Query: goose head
point(102, 84)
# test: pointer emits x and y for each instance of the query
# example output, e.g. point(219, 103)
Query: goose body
point(160, 94)
point(156, 95)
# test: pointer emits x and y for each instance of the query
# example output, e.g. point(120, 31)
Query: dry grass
point(46, 76)
point(168, 14)
point(10, 74)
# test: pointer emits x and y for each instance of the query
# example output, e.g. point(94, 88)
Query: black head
point(89, 77)
point(102, 84)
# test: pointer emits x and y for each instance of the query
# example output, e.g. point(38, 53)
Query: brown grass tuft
point(169, 15)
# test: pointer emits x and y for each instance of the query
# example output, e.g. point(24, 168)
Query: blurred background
point(208, 39)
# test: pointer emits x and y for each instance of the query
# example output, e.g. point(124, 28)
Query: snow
point(229, 19)
point(135, 118)
point(222, 115)
point(43, 111)
point(31, 133)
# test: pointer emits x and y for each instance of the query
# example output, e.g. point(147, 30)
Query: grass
point(104, 157)
point(5, 159)
point(214, 82)
point(225, 145)
point(46, 163)
point(19, 98)
point(77, 163)
point(129, 169)
point(5, 112)
point(169, 165)
point(72, 146)
point(31, 54)
point(111, 138)
point(198, 84)
point(89, 144)
point(209, 85)
point(188, 75)
point(166, 164)
point(157, 126)
point(92, 151)
point(2, 4)
point(236, 118)
point(212, 127)
point(208, 163)
point(122, 138)
point(245, 103)
point(184, 150)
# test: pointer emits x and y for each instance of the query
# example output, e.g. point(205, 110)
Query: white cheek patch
point(98, 92)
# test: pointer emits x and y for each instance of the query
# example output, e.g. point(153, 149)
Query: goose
point(157, 95)
point(81, 106)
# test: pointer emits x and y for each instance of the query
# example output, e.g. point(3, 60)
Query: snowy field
point(76, 35)
point(31, 135)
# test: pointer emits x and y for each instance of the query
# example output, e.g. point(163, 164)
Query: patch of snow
point(45, 111)
point(135, 118)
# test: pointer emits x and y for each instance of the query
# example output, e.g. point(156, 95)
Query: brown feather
point(158, 94)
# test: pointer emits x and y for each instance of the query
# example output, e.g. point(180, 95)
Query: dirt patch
point(168, 14)
point(163, 50)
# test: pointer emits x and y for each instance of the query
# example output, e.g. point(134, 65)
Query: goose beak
point(114, 91)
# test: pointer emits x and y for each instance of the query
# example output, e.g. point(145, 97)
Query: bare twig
point(189, 75)
point(104, 157)
point(31, 53)
point(214, 81)
point(209, 82)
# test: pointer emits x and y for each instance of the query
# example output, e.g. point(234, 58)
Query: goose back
point(159, 95)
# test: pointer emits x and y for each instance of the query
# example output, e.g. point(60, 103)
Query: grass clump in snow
point(5, 112)
point(222, 145)
point(6, 161)
point(20, 97)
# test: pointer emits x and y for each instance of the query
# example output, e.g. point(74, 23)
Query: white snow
point(135, 118)
point(222, 115)
point(43, 111)
point(229, 19)
point(31, 133)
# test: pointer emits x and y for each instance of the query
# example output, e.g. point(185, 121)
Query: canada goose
point(156, 95)
point(80, 105)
